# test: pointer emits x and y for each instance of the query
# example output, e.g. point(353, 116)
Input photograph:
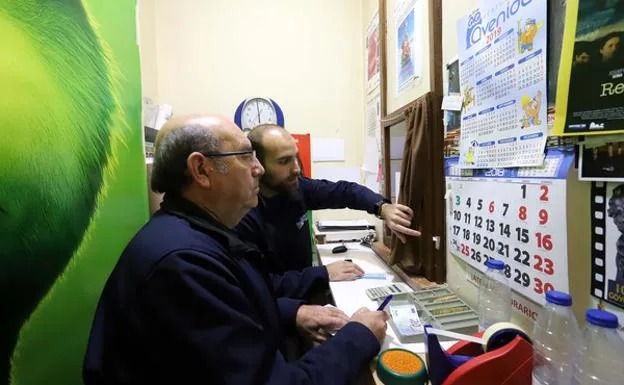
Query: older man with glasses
point(188, 302)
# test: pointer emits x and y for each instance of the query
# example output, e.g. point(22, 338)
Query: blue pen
point(385, 303)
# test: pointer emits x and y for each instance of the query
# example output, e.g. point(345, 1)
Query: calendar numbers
point(544, 196)
point(522, 278)
point(504, 230)
point(503, 249)
point(544, 265)
point(522, 257)
point(522, 213)
point(523, 234)
point(541, 287)
point(520, 223)
point(543, 216)
point(544, 241)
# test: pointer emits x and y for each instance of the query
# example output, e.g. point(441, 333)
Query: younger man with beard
point(279, 224)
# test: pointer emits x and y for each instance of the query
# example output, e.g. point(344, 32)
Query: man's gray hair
point(169, 173)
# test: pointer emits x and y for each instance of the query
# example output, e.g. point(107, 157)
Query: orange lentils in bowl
point(397, 366)
point(401, 362)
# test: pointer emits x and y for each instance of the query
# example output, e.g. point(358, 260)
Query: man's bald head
point(180, 137)
point(257, 135)
point(277, 151)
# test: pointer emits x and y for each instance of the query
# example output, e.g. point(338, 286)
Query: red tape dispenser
point(502, 355)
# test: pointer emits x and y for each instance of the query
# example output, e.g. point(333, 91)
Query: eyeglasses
point(249, 155)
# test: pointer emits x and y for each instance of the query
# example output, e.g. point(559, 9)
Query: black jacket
point(279, 225)
point(186, 304)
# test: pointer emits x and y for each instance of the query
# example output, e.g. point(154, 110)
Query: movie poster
point(607, 281)
point(72, 176)
point(590, 97)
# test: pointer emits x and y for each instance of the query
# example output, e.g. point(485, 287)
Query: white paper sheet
point(397, 185)
point(335, 174)
point(371, 155)
point(397, 144)
point(328, 149)
point(452, 102)
point(345, 223)
point(370, 181)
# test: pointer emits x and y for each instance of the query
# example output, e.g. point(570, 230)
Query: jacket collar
point(185, 209)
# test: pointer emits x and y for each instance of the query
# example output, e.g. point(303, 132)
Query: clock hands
point(258, 108)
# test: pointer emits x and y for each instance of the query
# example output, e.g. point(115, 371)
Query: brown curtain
point(420, 188)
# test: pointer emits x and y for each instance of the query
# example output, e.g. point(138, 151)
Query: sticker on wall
point(607, 275)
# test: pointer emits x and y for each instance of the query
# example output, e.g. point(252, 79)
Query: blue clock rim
point(239, 113)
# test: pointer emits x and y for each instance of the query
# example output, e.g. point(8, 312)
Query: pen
point(348, 260)
point(385, 303)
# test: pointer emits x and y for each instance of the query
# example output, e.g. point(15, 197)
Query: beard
point(285, 186)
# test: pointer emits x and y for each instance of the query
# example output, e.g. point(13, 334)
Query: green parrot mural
point(68, 137)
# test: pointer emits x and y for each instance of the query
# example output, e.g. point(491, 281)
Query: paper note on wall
point(397, 185)
point(371, 155)
point(397, 144)
point(335, 174)
point(328, 150)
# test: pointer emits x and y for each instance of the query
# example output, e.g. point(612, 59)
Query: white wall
point(147, 47)
point(209, 55)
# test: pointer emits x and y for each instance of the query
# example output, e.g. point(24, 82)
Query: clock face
point(257, 111)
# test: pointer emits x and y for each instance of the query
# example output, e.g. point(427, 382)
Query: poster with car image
point(590, 94)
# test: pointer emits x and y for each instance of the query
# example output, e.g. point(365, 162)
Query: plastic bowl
point(401, 367)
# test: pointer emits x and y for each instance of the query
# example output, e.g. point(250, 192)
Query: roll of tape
point(494, 337)
point(502, 333)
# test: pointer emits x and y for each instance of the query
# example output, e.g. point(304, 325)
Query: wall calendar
point(502, 67)
point(517, 215)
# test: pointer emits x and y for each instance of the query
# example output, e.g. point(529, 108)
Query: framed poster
point(590, 94)
point(408, 67)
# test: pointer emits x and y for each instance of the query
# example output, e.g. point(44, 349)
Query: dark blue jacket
point(279, 225)
point(186, 304)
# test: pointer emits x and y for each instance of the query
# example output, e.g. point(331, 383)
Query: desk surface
point(350, 296)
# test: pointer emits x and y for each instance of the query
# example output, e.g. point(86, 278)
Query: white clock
point(255, 111)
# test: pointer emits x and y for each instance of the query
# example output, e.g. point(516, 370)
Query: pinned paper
point(452, 102)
